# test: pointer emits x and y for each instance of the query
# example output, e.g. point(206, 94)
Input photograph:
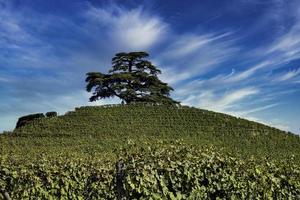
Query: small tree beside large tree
point(132, 79)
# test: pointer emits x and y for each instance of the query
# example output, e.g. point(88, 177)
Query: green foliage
point(170, 152)
point(132, 79)
point(162, 171)
point(181, 172)
point(59, 178)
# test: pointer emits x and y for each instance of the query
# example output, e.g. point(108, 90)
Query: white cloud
point(131, 29)
point(288, 75)
point(187, 44)
point(211, 100)
point(224, 80)
point(289, 42)
point(286, 47)
point(247, 73)
point(230, 98)
point(246, 112)
point(218, 82)
point(195, 55)
point(171, 76)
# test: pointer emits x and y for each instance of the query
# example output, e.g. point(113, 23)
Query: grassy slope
point(104, 129)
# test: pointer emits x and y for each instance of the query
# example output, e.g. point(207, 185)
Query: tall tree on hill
point(132, 79)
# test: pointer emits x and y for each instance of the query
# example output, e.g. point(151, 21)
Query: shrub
point(51, 114)
point(22, 121)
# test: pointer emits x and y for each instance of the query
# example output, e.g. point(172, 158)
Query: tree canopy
point(132, 78)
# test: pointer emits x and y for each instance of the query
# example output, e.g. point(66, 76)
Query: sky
point(240, 57)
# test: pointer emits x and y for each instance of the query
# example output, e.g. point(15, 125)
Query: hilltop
point(196, 126)
point(92, 138)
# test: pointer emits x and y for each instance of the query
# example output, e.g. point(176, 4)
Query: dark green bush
point(28, 118)
point(51, 114)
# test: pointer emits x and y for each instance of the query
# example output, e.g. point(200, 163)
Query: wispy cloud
point(195, 55)
point(247, 73)
point(131, 29)
point(287, 75)
point(232, 97)
point(286, 47)
point(213, 100)
point(188, 44)
point(246, 112)
point(234, 77)
point(288, 43)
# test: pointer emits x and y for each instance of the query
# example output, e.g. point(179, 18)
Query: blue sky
point(240, 57)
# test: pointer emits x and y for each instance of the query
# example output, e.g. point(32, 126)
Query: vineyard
point(148, 152)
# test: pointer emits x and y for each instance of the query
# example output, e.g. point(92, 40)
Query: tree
point(132, 79)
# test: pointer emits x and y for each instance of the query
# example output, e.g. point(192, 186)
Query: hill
point(75, 154)
point(194, 125)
